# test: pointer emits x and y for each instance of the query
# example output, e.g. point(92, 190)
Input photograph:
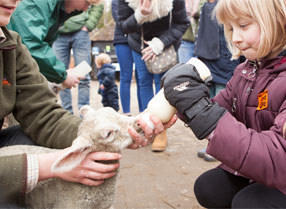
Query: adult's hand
point(89, 172)
point(72, 79)
point(145, 7)
point(148, 53)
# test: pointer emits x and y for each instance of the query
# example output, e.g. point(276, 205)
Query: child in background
point(245, 123)
point(107, 86)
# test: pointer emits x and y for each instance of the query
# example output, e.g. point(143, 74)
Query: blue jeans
point(186, 51)
point(145, 80)
point(80, 43)
point(125, 59)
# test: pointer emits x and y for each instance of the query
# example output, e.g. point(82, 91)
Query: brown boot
point(160, 142)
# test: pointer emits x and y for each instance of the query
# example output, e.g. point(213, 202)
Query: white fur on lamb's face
point(100, 130)
point(106, 127)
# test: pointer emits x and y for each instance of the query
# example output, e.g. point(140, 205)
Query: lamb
point(100, 130)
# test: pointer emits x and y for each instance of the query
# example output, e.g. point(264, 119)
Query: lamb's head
point(106, 129)
point(100, 130)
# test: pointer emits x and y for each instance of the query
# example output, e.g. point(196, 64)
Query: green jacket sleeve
point(36, 107)
point(95, 13)
point(33, 31)
point(13, 178)
point(89, 19)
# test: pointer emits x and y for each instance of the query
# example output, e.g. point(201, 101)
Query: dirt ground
point(157, 180)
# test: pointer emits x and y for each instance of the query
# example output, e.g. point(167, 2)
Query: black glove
point(183, 86)
point(188, 93)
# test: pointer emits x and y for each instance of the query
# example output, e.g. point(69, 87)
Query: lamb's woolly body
point(101, 130)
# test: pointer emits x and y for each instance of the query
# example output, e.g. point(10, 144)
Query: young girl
point(246, 122)
point(107, 86)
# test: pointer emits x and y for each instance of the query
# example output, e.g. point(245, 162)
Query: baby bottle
point(160, 107)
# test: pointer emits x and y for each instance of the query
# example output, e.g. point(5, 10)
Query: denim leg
point(157, 80)
point(62, 48)
point(125, 60)
point(14, 135)
point(145, 80)
point(66, 98)
point(185, 51)
point(138, 92)
point(81, 51)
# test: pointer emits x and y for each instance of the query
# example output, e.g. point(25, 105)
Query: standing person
point(153, 17)
point(74, 35)
point(186, 49)
point(125, 59)
point(37, 22)
point(43, 122)
point(211, 49)
point(107, 86)
point(244, 123)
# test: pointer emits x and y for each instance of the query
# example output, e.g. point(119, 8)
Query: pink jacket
point(249, 138)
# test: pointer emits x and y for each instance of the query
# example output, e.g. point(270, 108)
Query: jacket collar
point(273, 65)
point(9, 42)
point(2, 36)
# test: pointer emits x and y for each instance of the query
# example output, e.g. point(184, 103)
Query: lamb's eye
point(108, 134)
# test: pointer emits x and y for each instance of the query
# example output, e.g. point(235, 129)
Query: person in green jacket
point(37, 22)
point(74, 34)
point(24, 92)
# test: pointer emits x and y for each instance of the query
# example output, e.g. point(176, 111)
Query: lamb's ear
point(84, 109)
point(73, 157)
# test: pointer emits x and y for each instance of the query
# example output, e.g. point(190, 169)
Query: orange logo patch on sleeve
point(5, 82)
point(262, 100)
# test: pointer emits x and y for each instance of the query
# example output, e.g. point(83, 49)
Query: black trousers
point(8, 137)
point(218, 188)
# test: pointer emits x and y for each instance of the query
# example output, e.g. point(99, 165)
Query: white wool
point(161, 8)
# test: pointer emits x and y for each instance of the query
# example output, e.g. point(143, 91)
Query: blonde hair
point(270, 16)
point(102, 59)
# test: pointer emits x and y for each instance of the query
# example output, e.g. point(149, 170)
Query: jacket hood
point(108, 66)
point(165, 6)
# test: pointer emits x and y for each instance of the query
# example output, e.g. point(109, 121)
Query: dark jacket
point(159, 28)
point(24, 92)
point(207, 44)
point(211, 47)
point(249, 138)
point(119, 36)
point(106, 76)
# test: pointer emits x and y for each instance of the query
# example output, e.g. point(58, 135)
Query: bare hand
point(84, 28)
point(101, 87)
point(148, 53)
point(72, 79)
point(145, 7)
point(91, 172)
